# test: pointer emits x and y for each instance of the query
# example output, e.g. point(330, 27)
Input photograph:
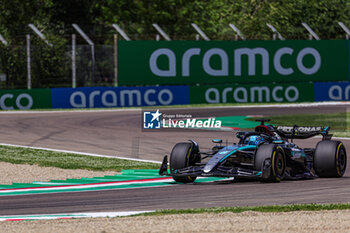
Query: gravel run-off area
point(302, 221)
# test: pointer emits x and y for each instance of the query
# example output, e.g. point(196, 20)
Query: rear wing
point(303, 132)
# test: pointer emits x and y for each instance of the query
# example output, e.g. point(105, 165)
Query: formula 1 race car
point(268, 154)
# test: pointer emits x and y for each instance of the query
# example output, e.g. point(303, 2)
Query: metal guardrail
point(345, 28)
point(275, 32)
point(89, 56)
point(312, 34)
point(238, 32)
point(161, 32)
point(200, 32)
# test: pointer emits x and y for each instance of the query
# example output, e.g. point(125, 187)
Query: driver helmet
point(255, 140)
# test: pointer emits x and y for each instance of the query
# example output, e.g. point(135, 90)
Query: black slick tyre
point(330, 159)
point(271, 161)
point(181, 157)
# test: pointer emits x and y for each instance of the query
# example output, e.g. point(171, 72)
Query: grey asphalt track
point(119, 133)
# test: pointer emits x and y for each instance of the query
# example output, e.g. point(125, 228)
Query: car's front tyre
point(182, 156)
point(270, 160)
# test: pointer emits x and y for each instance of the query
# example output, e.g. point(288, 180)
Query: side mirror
point(217, 140)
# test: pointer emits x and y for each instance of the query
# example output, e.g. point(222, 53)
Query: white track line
point(295, 105)
point(317, 104)
point(71, 110)
point(72, 215)
point(81, 153)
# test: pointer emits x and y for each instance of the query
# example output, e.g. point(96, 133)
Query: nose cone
point(212, 163)
point(206, 169)
point(221, 155)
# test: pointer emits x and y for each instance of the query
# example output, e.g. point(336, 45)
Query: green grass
point(339, 122)
point(45, 158)
point(274, 208)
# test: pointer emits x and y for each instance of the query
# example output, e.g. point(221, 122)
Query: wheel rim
point(341, 162)
point(279, 164)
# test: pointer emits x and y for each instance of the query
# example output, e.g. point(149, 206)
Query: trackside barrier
point(332, 91)
point(25, 99)
point(228, 62)
point(269, 93)
point(112, 97)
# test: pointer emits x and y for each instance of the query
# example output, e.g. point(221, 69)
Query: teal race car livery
point(267, 154)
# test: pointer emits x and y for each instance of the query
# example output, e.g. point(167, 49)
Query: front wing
point(222, 171)
point(219, 171)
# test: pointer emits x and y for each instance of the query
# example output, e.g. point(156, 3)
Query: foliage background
point(51, 66)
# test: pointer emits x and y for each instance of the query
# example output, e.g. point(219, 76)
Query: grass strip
point(337, 121)
point(272, 208)
point(45, 158)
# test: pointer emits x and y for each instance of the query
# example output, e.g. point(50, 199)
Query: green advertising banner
point(226, 62)
point(25, 99)
point(214, 94)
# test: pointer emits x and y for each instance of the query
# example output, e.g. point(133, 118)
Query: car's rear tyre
point(330, 159)
point(182, 156)
point(274, 156)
